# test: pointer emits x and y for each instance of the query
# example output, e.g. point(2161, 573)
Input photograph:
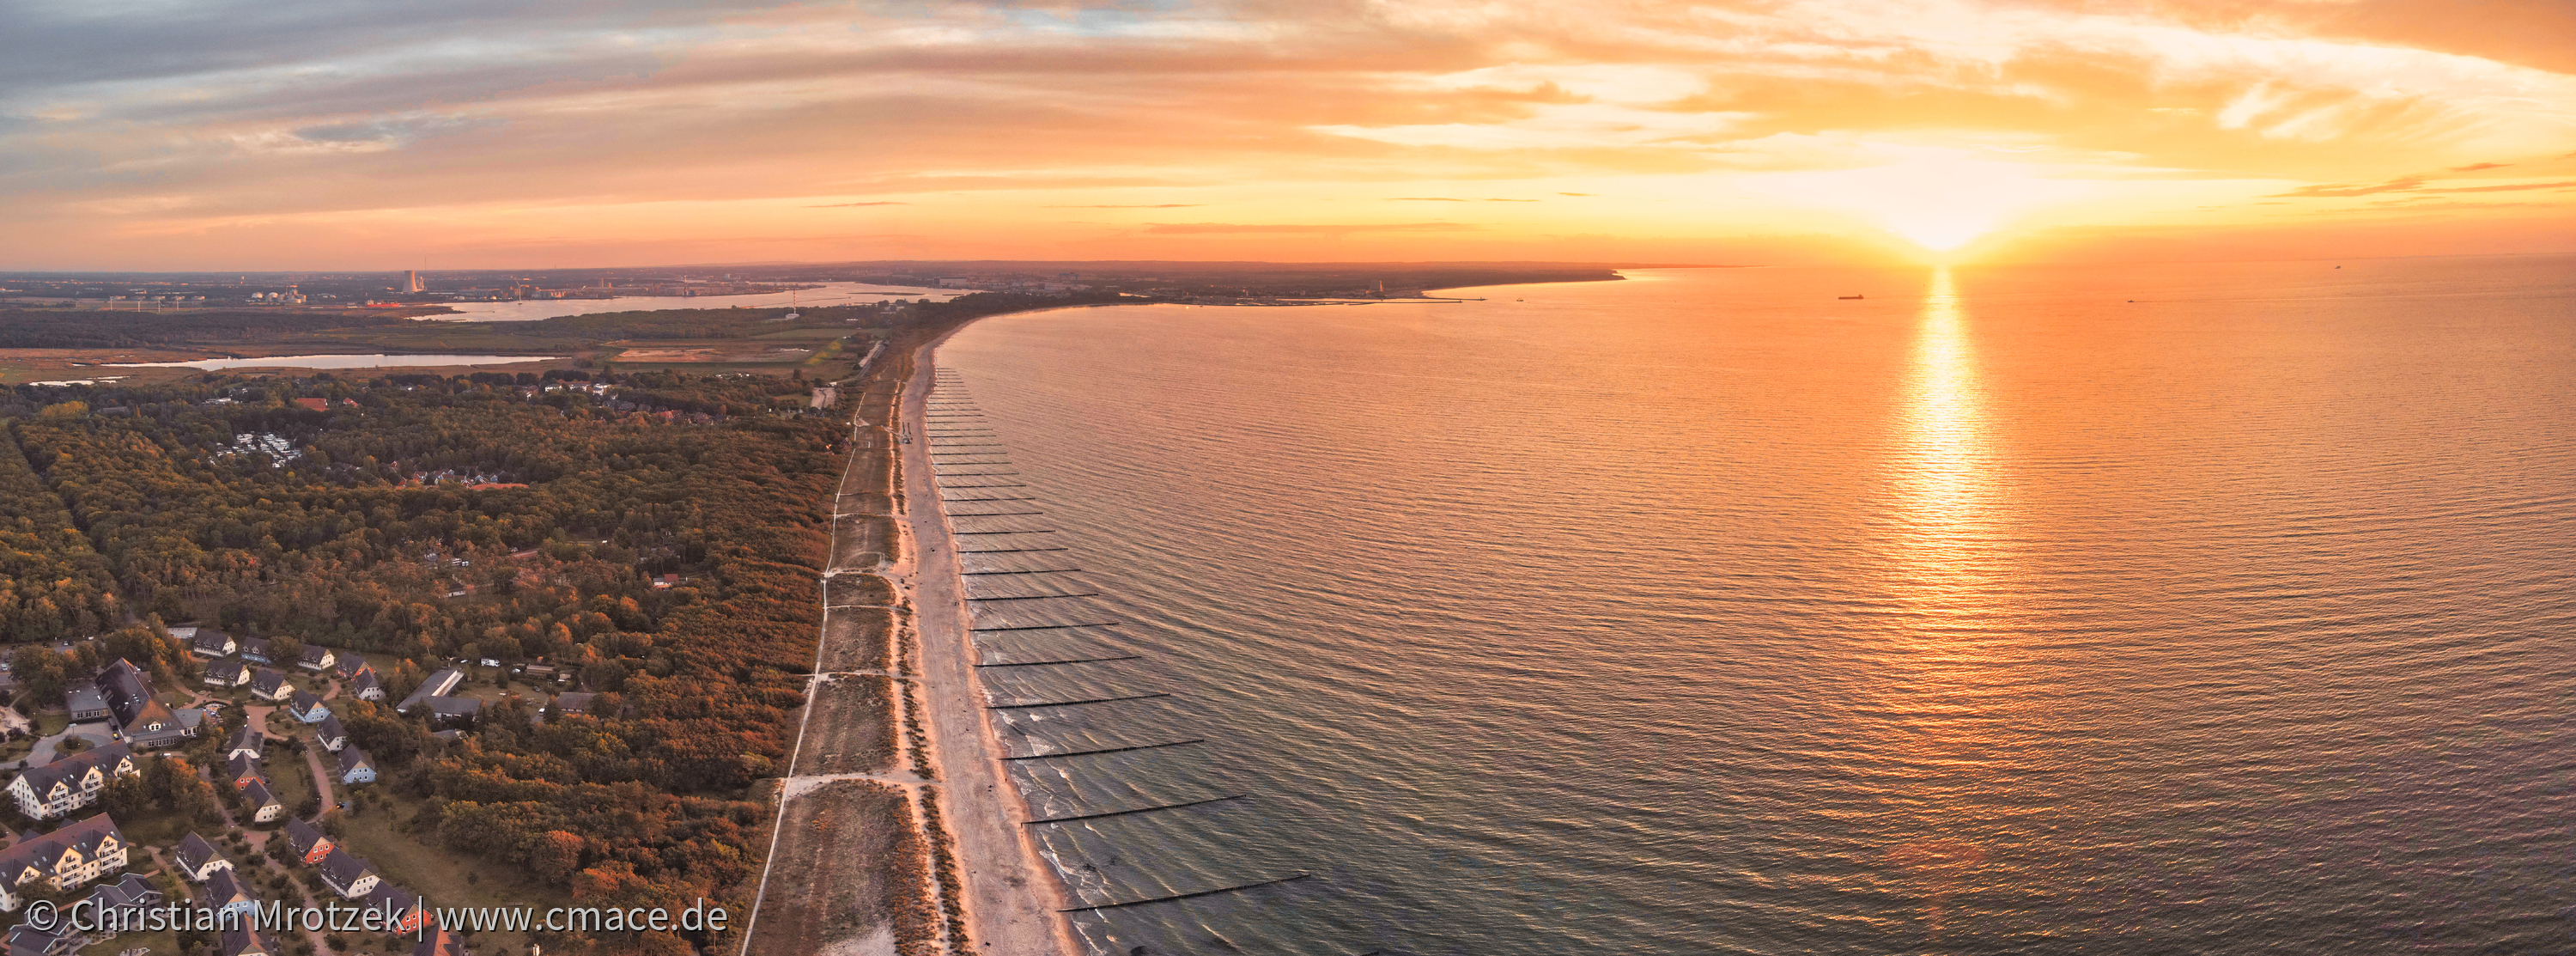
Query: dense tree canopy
point(510, 517)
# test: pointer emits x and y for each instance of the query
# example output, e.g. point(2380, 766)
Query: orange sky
point(228, 134)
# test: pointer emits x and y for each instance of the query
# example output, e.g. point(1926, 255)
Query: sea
point(2138, 609)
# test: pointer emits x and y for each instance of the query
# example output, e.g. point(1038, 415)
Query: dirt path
point(321, 774)
point(1011, 897)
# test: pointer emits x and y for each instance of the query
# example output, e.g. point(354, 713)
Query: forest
point(515, 517)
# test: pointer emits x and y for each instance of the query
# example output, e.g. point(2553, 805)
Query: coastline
point(1012, 898)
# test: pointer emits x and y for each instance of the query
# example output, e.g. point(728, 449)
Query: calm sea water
point(2157, 609)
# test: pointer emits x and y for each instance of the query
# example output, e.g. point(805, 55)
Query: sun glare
point(1938, 200)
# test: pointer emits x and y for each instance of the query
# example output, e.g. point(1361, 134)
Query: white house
point(74, 855)
point(72, 782)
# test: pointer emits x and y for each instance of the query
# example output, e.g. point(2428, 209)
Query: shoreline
point(1011, 894)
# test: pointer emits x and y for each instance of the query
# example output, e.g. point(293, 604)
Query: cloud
point(487, 119)
point(2398, 185)
point(2414, 184)
point(1214, 228)
point(2514, 187)
point(847, 205)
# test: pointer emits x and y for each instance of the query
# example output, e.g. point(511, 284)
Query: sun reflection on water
point(1950, 686)
point(1946, 495)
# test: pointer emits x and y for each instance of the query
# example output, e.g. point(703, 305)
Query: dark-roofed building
point(246, 743)
point(27, 940)
point(355, 767)
point(226, 673)
point(347, 875)
point(574, 702)
point(331, 735)
point(70, 783)
point(349, 666)
point(439, 942)
point(242, 940)
point(315, 657)
point(76, 854)
point(269, 685)
point(240, 771)
point(143, 719)
point(121, 906)
point(366, 687)
point(452, 711)
point(261, 802)
point(308, 841)
point(198, 859)
point(224, 890)
point(255, 649)
point(84, 702)
point(212, 643)
point(305, 706)
point(437, 685)
point(407, 909)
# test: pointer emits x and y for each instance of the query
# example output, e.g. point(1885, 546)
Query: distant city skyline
point(234, 136)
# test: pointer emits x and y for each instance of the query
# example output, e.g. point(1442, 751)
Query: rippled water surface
point(2170, 609)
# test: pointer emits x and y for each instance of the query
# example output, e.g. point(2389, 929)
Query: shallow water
point(823, 294)
point(1708, 613)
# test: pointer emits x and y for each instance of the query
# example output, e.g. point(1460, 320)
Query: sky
point(450, 134)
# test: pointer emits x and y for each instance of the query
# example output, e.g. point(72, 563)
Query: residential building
point(198, 859)
point(574, 702)
point(439, 942)
point(305, 706)
point(269, 685)
point(70, 783)
point(240, 771)
point(347, 875)
point(316, 658)
point(225, 890)
point(331, 735)
point(243, 940)
point(210, 642)
point(123, 903)
point(408, 910)
point(247, 742)
point(308, 841)
point(255, 649)
point(27, 940)
point(261, 802)
point(226, 673)
point(367, 686)
point(74, 855)
point(355, 767)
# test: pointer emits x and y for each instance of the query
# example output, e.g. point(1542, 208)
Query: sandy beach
point(1012, 897)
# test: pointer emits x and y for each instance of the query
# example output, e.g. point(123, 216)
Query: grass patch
point(444, 878)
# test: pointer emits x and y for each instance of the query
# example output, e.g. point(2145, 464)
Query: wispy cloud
point(847, 205)
point(1213, 228)
point(1166, 205)
point(2398, 185)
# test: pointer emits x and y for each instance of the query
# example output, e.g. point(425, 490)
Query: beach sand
point(1012, 896)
